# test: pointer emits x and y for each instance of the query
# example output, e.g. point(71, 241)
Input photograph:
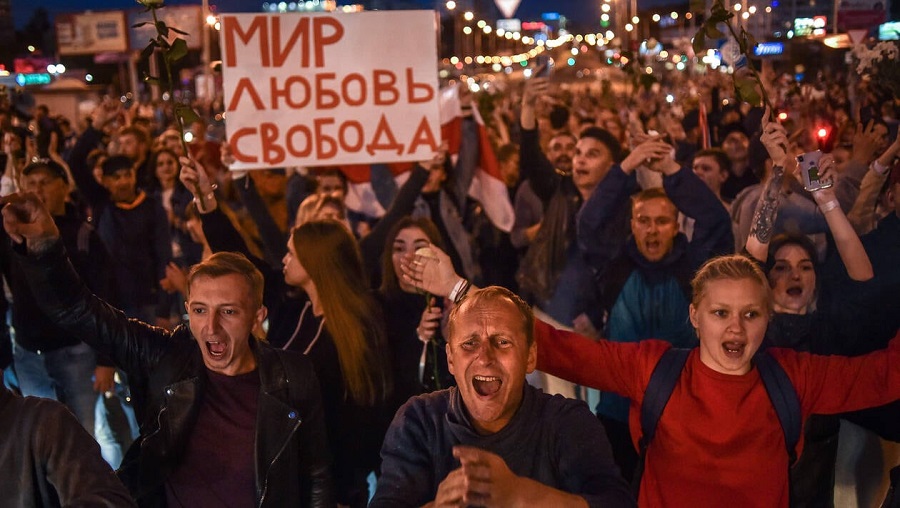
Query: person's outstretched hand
point(430, 273)
point(194, 177)
point(774, 137)
point(26, 219)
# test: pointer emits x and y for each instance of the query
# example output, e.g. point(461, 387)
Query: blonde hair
point(491, 294)
point(733, 267)
point(313, 204)
point(331, 257)
point(221, 264)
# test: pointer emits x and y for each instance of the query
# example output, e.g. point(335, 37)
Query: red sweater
point(718, 442)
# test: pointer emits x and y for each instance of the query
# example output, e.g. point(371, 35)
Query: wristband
point(829, 206)
point(455, 292)
point(458, 297)
point(209, 196)
point(880, 168)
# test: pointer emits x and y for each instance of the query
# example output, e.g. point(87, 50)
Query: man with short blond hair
point(644, 290)
point(495, 439)
point(225, 418)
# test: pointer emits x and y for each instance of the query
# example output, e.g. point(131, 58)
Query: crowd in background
point(603, 244)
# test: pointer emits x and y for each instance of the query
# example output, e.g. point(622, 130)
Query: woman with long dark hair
point(413, 318)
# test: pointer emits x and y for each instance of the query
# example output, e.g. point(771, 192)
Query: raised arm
point(850, 248)
point(865, 147)
point(103, 114)
point(64, 298)
point(775, 139)
point(533, 163)
point(862, 216)
point(620, 367)
point(273, 239)
point(597, 235)
point(712, 223)
point(372, 245)
point(835, 384)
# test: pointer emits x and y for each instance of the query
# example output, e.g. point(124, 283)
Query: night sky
point(528, 9)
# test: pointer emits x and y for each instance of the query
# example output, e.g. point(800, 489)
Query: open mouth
point(486, 385)
point(216, 349)
point(734, 349)
point(794, 291)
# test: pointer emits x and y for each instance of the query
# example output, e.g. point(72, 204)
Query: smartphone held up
point(543, 67)
point(809, 171)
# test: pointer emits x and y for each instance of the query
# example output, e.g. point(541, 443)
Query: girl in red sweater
point(719, 441)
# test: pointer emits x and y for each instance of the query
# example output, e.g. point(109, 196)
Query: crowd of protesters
point(632, 205)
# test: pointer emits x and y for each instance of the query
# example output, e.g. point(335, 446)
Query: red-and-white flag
point(361, 196)
point(487, 184)
point(703, 124)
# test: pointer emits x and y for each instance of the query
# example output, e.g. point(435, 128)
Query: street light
point(451, 5)
point(468, 16)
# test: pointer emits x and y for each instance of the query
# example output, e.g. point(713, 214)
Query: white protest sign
point(330, 89)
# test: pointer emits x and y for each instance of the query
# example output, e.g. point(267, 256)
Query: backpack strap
point(784, 398)
point(662, 383)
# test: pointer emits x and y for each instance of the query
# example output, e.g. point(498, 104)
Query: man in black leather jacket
point(48, 460)
point(225, 418)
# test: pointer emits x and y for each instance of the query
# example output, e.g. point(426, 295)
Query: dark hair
point(52, 167)
point(330, 171)
point(729, 128)
point(480, 297)
point(559, 117)
point(389, 282)
point(116, 163)
point(95, 155)
point(801, 241)
point(602, 135)
point(154, 159)
point(719, 155)
point(564, 134)
point(139, 134)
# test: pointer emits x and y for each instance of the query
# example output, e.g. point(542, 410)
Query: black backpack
point(665, 377)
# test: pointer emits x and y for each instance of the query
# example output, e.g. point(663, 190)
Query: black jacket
point(90, 258)
point(167, 378)
point(49, 460)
